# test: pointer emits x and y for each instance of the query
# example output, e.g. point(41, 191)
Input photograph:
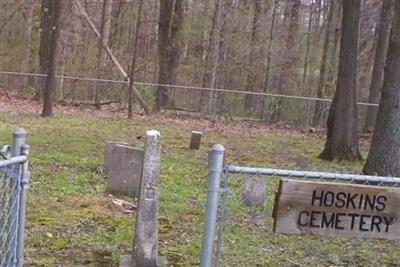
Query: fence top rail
point(184, 87)
point(13, 160)
point(379, 180)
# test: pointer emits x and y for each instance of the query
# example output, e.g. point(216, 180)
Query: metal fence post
point(19, 140)
point(222, 217)
point(24, 183)
point(215, 165)
point(308, 114)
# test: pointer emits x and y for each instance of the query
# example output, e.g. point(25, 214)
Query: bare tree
point(134, 60)
point(176, 45)
point(45, 41)
point(212, 58)
point(384, 155)
point(170, 41)
point(342, 132)
point(308, 45)
point(321, 89)
point(268, 70)
point(27, 55)
point(56, 8)
point(105, 28)
point(254, 53)
point(287, 69)
point(379, 62)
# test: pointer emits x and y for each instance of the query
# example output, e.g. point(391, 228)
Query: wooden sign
point(304, 207)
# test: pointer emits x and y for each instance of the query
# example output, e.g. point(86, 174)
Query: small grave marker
point(304, 207)
point(123, 165)
point(195, 140)
point(254, 191)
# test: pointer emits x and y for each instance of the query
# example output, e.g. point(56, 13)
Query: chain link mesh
point(245, 232)
point(9, 213)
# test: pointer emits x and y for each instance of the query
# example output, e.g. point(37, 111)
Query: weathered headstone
point(145, 247)
point(123, 165)
point(255, 191)
point(195, 140)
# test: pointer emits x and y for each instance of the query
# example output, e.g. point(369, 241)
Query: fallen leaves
point(125, 206)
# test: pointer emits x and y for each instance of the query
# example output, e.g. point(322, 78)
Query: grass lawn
point(72, 222)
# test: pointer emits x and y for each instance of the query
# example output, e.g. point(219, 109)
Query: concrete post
point(145, 247)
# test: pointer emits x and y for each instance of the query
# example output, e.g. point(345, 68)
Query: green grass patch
point(72, 222)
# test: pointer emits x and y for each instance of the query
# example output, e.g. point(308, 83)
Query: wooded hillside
point(288, 47)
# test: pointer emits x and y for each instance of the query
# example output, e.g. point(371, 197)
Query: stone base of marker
point(255, 191)
point(126, 261)
point(123, 165)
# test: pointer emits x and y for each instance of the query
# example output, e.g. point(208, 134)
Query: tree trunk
point(212, 59)
point(342, 130)
point(288, 67)
point(51, 70)
point(44, 49)
point(116, 22)
point(384, 154)
point(134, 60)
point(379, 62)
point(176, 46)
point(254, 53)
point(268, 70)
point(319, 105)
point(163, 41)
point(306, 56)
point(104, 38)
point(334, 52)
point(27, 55)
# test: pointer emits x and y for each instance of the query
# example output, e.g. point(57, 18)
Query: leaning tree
point(342, 136)
point(384, 154)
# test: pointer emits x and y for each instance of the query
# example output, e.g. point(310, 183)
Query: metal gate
point(224, 203)
point(14, 179)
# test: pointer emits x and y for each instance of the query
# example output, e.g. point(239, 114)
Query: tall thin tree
point(169, 47)
point(134, 60)
point(212, 60)
point(44, 47)
point(254, 52)
point(379, 62)
point(384, 153)
point(268, 69)
point(308, 45)
point(342, 130)
point(27, 59)
point(51, 70)
point(288, 66)
point(321, 89)
point(105, 27)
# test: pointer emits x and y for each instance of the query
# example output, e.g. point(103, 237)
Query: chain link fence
point(14, 179)
point(298, 111)
point(239, 217)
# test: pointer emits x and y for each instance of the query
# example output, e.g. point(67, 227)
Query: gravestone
point(195, 140)
point(254, 191)
point(123, 165)
point(145, 247)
